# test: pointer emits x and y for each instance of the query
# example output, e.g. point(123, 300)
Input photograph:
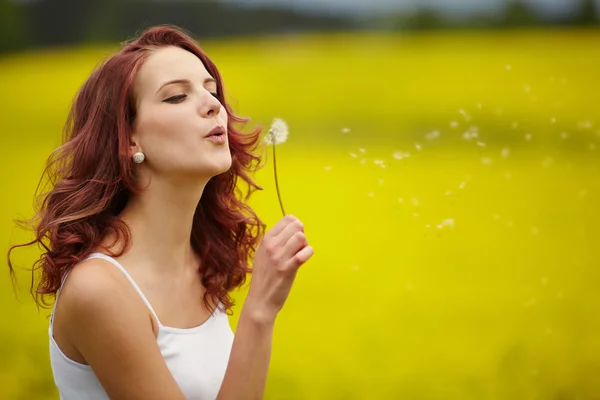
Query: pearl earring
point(139, 157)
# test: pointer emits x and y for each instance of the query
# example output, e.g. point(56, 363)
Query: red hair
point(91, 179)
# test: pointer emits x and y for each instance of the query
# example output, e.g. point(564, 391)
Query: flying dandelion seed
point(505, 152)
point(508, 67)
point(400, 155)
point(528, 137)
point(552, 120)
point(585, 125)
point(400, 200)
point(486, 161)
point(380, 181)
point(415, 201)
point(534, 230)
point(471, 133)
point(363, 161)
point(515, 125)
point(362, 150)
point(371, 194)
point(418, 146)
point(447, 223)
point(327, 168)
point(432, 135)
point(527, 89)
point(479, 106)
point(353, 155)
point(507, 175)
point(510, 224)
point(448, 193)
point(480, 144)
point(454, 124)
point(564, 135)
point(462, 185)
point(415, 214)
point(345, 130)
point(499, 111)
point(378, 162)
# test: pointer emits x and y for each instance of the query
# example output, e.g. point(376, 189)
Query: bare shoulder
point(107, 323)
point(95, 287)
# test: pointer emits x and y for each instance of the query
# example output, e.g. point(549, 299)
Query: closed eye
point(176, 99)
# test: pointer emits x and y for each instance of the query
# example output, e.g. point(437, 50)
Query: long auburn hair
point(91, 178)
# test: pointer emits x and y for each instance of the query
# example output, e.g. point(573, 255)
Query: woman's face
point(176, 110)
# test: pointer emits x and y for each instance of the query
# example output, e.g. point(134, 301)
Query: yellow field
point(456, 254)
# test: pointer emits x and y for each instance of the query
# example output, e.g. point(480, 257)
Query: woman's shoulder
point(96, 289)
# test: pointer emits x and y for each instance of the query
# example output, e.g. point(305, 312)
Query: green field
point(447, 266)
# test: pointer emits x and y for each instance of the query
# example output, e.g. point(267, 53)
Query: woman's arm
point(283, 250)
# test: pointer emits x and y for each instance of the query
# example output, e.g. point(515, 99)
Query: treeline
point(42, 23)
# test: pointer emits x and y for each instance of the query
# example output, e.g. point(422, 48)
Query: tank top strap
point(129, 278)
point(120, 268)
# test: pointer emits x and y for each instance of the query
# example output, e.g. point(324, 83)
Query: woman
point(145, 237)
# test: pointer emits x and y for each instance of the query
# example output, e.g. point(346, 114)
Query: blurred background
point(443, 155)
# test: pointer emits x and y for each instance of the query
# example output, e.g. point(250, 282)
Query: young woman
point(145, 235)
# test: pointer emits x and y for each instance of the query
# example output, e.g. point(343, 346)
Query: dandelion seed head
point(278, 133)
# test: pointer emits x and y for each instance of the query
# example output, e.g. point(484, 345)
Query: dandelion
point(278, 133)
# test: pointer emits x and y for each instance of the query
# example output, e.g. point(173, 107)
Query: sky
point(456, 7)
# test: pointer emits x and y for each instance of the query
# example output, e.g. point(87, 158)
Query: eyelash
point(179, 98)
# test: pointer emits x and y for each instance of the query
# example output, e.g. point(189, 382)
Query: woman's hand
point(282, 251)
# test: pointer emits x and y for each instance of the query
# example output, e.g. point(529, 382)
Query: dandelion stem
point(276, 181)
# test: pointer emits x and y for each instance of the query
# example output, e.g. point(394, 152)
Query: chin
point(221, 165)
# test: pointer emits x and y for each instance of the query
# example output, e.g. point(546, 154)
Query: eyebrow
point(185, 82)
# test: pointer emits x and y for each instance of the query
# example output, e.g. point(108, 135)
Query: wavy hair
point(91, 178)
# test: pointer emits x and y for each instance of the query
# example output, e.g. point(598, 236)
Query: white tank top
point(197, 357)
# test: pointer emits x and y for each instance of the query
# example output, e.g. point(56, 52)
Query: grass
point(499, 302)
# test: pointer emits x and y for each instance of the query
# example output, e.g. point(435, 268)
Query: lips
point(216, 131)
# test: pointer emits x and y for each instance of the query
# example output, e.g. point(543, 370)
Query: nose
point(211, 106)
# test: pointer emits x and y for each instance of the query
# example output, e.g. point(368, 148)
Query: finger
point(302, 256)
point(289, 231)
point(296, 243)
point(280, 226)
